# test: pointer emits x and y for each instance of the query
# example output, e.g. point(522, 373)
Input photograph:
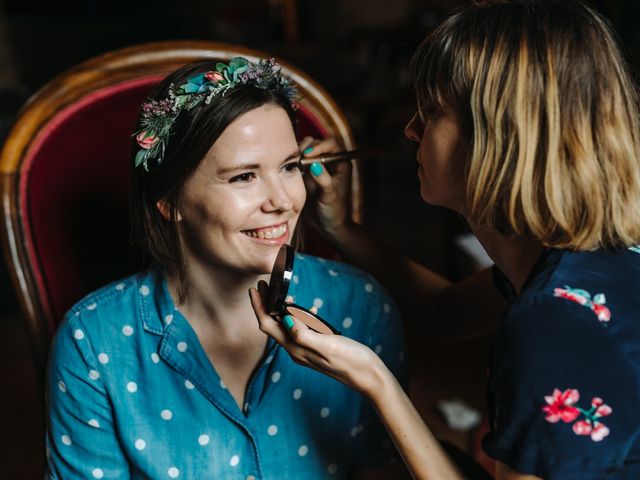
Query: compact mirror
point(279, 286)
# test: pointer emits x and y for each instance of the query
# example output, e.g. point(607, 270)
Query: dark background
point(358, 50)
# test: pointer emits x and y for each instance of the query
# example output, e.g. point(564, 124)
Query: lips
point(274, 232)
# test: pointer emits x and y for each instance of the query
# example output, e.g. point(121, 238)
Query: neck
point(514, 256)
point(216, 297)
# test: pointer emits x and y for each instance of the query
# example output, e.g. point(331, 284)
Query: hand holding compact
point(342, 358)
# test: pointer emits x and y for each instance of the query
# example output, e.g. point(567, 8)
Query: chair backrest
point(65, 174)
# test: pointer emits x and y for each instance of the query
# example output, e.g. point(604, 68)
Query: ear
point(163, 208)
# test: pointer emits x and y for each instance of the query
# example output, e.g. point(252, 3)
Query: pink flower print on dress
point(582, 297)
point(560, 406)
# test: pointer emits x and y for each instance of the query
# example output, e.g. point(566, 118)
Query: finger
point(263, 289)
point(267, 324)
point(305, 143)
point(327, 145)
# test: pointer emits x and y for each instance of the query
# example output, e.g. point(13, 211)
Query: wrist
point(380, 382)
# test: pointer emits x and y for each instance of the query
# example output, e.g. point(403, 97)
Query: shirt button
point(251, 477)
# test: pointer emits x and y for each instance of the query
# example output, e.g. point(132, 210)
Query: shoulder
point(98, 312)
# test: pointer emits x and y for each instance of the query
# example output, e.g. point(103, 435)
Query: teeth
point(268, 234)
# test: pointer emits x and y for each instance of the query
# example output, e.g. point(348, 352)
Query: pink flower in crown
point(570, 295)
point(560, 406)
point(146, 140)
point(213, 76)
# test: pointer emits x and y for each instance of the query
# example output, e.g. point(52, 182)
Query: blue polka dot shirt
point(132, 394)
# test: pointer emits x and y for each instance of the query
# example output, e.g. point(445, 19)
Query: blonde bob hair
point(550, 112)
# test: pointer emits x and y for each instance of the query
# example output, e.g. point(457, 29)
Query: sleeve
point(81, 435)
point(565, 396)
point(386, 338)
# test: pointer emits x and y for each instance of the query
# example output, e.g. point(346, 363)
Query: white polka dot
point(120, 286)
point(297, 393)
point(272, 430)
point(324, 413)
point(222, 385)
point(189, 385)
point(318, 303)
point(333, 273)
point(269, 359)
point(78, 334)
point(155, 358)
point(295, 279)
point(132, 387)
point(346, 323)
point(356, 430)
point(368, 287)
point(140, 444)
point(94, 374)
point(303, 450)
point(166, 414)
point(203, 439)
point(94, 423)
point(66, 439)
point(313, 310)
point(235, 460)
point(182, 346)
point(168, 319)
point(62, 386)
point(127, 330)
point(289, 299)
point(386, 307)
point(275, 377)
point(378, 349)
point(103, 358)
point(332, 468)
point(97, 473)
point(144, 290)
point(92, 306)
point(250, 477)
point(173, 472)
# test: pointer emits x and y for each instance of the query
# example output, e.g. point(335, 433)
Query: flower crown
point(158, 116)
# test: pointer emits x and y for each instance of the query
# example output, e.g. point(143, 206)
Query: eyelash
point(248, 176)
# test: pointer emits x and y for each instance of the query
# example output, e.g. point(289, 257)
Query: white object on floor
point(458, 415)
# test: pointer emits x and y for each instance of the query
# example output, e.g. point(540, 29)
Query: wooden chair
point(65, 174)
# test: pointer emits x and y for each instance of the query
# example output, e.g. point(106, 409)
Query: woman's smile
point(270, 235)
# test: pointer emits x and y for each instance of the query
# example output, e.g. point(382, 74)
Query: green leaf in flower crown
point(599, 299)
point(140, 157)
point(221, 67)
point(190, 88)
point(238, 71)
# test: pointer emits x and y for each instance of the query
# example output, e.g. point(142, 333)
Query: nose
point(413, 128)
point(277, 197)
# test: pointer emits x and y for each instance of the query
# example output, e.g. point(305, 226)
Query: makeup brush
point(343, 156)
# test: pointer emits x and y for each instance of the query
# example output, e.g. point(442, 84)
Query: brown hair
point(192, 135)
point(551, 114)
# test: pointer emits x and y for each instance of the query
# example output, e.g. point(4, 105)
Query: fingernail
point(307, 150)
point(316, 169)
point(288, 322)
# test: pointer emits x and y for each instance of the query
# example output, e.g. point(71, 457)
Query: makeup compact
point(281, 276)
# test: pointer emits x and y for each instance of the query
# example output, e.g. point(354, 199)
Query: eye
point(243, 177)
point(292, 166)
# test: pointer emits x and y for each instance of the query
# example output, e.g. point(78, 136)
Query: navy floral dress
point(564, 383)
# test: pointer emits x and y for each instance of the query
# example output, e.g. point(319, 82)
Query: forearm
point(433, 306)
point(421, 452)
point(413, 286)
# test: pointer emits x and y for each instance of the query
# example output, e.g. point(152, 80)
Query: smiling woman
point(166, 373)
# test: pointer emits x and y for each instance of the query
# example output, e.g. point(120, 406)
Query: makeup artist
point(528, 126)
point(166, 374)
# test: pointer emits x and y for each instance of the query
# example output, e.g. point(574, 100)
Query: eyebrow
point(255, 166)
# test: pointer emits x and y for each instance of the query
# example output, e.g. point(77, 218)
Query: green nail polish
point(288, 322)
point(307, 150)
point(316, 169)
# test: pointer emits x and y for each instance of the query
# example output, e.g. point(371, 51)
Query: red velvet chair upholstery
point(65, 174)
